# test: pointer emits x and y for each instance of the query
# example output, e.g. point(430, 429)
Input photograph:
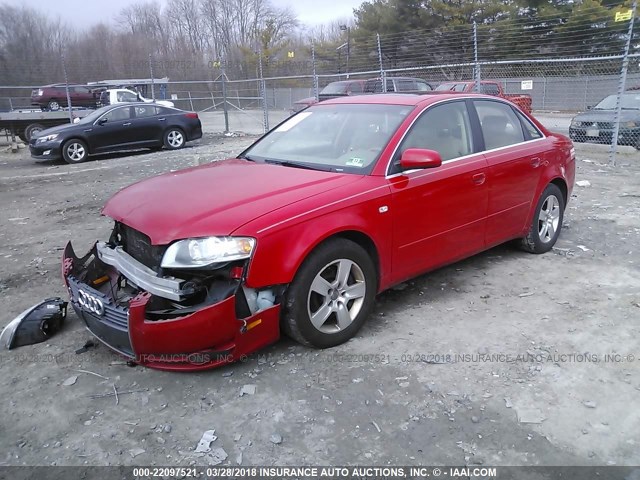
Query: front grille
point(139, 246)
point(605, 125)
point(114, 316)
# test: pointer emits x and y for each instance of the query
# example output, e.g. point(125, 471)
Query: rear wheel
point(331, 295)
point(74, 151)
point(174, 138)
point(547, 221)
point(53, 105)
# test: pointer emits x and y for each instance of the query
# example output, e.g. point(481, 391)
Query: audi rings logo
point(90, 303)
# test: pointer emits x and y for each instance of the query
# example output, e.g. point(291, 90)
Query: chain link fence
point(585, 63)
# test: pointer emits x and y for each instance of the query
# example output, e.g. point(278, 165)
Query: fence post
point(225, 107)
point(153, 90)
point(621, 85)
point(315, 75)
point(383, 80)
point(476, 72)
point(263, 94)
point(66, 87)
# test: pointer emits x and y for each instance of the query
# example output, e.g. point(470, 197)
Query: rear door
point(439, 214)
point(146, 129)
point(515, 151)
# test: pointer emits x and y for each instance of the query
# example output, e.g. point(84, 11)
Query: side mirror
point(102, 121)
point(419, 158)
point(589, 107)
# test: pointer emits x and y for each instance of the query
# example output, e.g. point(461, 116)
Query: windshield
point(93, 116)
point(343, 138)
point(628, 101)
point(335, 88)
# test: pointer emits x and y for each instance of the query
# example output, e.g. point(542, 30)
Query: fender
point(280, 254)
point(563, 168)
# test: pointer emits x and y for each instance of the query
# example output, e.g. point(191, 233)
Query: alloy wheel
point(76, 151)
point(336, 296)
point(175, 138)
point(548, 219)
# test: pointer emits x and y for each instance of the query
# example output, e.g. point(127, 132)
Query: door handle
point(479, 178)
point(535, 162)
point(126, 124)
point(161, 119)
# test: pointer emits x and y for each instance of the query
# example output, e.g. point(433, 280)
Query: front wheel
point(547, 221)
point(53, 105)
point(331, 295)
point(74, 151)
point(174, 138)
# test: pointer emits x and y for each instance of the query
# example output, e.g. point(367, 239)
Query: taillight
point(191, 115)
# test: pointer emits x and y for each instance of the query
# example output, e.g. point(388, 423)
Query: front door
point(439, 214)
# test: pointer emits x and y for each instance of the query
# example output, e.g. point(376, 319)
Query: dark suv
point(53, 97)
point(397, 85)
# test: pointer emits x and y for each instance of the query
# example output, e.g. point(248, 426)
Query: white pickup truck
point(123, 95)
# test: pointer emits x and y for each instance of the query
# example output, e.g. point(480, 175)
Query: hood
point(607, 116)
point(215, 199)
point(58, 129)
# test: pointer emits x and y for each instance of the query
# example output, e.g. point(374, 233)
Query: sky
point(84, 13)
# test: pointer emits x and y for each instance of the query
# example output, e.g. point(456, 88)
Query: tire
point(317, 289)
point(174, 139)
point(75, 151)
point(31, 130)
point(547, 221)
point(53, 105)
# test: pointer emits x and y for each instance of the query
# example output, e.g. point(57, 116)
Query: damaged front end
point(139, 300)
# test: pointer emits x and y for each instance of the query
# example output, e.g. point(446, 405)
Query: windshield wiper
point(247, 157)
point(287, 163)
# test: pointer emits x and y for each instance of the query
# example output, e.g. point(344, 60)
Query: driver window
point(118, 114)
point(444, 128)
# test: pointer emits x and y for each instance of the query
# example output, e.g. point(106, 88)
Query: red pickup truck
point(488, 87)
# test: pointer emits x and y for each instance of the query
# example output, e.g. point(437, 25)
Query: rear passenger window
point(145, 111)
point(529, 127)
point(500, 125)
point(356, 88)
point(423, 86)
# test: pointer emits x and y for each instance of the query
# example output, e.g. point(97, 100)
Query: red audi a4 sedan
point(301, 231)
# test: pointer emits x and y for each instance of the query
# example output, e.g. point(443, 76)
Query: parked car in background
point(113, 96)
point(596, 125)
point(342, 88)
point(301, 231)
point(397, 85)
point(488, 87)
point(117, 127)
point(54, 97)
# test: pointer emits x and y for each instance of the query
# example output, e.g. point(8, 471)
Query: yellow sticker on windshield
point(355, 162)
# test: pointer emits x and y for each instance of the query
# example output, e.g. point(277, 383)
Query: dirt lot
point(450, 368)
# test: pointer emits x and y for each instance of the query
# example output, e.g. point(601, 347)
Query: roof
point(402, 98)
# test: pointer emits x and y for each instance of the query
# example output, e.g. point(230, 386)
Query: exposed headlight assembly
point(630, 124)
point(48, 138)
point(203, 252)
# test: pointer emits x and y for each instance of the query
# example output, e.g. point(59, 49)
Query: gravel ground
point(496, 360)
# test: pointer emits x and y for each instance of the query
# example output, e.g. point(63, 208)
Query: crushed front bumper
point(205, 338)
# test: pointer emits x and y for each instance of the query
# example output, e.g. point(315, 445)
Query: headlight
point(48, 138)
point(576, 123)
point(630, 124)
point(202, 252)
